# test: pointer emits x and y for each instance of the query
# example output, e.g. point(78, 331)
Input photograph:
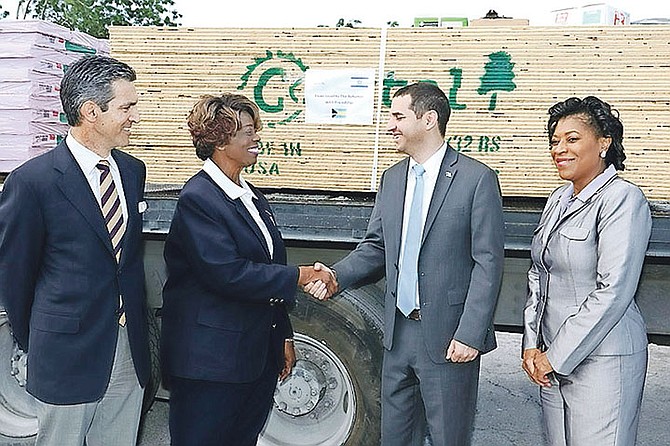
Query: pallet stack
point(501, 81)
point(34, 55)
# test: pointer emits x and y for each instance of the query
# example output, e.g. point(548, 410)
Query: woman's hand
point(289, 359)
point(537, 366)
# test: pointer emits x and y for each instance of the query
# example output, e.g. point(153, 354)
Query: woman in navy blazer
point(585, 342)
point(226, 333)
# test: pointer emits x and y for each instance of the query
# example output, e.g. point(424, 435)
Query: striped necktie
point(113, 215)
point(111, 207)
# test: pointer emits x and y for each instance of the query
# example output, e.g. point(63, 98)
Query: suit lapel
point(558, 221)
point(246, 216)
point(394, 186)
point(268, 218)
point(552, 220)
point(448, 171)
point(75, 188)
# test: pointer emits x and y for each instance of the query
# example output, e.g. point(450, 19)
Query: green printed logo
point(276, 80)
point(498, 75)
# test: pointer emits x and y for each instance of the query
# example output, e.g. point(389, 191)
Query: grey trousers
point(598, 404)
point(418, 393)
point(112, 420)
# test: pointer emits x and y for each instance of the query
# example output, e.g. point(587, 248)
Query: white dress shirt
point(244, 193)
point(432, 167)
point(87, 160)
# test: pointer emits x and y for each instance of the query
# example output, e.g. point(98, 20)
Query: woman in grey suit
point(585, 341)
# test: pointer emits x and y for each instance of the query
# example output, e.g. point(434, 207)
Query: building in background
point(593, 14)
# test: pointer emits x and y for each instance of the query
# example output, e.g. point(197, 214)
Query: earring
point(603, 154)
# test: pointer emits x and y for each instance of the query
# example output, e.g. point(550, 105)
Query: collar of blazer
point(396, 184)
point(243, 212)
point(574, 209)
point(77, 191)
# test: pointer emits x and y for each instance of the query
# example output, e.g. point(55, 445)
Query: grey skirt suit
point(586, 264)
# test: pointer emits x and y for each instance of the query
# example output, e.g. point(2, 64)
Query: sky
point(375, 13)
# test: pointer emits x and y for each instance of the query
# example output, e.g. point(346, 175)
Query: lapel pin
point(447, 174)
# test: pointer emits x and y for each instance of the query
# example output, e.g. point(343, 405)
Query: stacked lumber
point(501, 81)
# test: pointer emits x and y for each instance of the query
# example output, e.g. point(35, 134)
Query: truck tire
point(153, 321)
point(18, 421)
point(333, 395)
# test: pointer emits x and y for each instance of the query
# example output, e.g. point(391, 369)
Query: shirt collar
point(86, 158)
point(226, 184)
point(590, 188)
point(432, 164)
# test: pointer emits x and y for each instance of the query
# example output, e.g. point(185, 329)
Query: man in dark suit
point(437, 231)
point(71, 272)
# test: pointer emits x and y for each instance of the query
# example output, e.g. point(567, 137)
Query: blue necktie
point(407, 281)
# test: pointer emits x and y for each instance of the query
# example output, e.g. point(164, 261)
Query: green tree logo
point(498, 75)
point(276, 82)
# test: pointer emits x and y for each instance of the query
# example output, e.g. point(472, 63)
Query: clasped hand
point(537, 366)
point(318, 280)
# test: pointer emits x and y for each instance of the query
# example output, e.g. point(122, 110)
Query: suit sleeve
point(212, 251)
point(624, 228)
point(21, 240)
point(487, 250)
point(530, 328)
point(368, 259)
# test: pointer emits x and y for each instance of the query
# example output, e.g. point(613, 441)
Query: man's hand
point(289, 359)
point(459, 352)
point(320, 281)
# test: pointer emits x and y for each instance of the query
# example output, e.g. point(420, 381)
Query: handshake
point(318, 280)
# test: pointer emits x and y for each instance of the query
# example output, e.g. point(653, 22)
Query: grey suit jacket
point(461, 256)
point(585, 271)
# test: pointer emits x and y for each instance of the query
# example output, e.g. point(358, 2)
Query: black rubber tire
point(12, 396)
point(153, 321)
point(350, 325)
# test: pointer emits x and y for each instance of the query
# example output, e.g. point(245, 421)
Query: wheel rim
point(17, 415)
point(316, 405)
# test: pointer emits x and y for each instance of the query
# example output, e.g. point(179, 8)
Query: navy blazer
point(60, 282)
point(225, 300)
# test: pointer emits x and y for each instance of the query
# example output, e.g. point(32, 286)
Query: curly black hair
point(600, 116)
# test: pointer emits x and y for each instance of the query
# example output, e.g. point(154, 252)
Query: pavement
point(508, 411)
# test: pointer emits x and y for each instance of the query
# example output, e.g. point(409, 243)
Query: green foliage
point(94, 16)
point(347, 24)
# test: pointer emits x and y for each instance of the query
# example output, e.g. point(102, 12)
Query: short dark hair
point(427, 96)
point(90, 79)
point(214, 120)
point(597, 114)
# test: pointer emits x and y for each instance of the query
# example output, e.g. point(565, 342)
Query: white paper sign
point(339, 96)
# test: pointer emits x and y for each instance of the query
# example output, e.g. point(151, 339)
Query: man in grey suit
point(437, 231)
